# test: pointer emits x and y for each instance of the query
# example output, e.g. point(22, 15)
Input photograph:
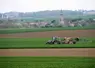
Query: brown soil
point(85, 52)
point(62, 33)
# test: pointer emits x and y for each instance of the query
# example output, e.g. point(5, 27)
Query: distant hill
point(41, 14)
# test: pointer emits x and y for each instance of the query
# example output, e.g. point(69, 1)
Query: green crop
point(14, 30)
point(47, 62)
point(41, 43)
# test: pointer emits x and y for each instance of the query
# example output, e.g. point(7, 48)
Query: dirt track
point(88, 52)
point(62, 33)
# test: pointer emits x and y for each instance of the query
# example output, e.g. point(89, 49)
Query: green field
point(17, 30)
point(47, 62)
point(40, 43)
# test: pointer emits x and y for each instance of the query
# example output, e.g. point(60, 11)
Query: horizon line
point(50, 10)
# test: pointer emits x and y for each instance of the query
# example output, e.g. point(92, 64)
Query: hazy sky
point(40, 5)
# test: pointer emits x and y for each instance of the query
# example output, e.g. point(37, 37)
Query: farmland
point(40, 43)
point(49, 34)
point(47, 62)
point(38, 39)
point(80, 55)
point(24, 30)
point(70, 52)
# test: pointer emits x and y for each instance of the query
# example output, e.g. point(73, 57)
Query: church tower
point(61, 18)
point(63, 22)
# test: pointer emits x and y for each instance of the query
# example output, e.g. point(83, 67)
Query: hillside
point(41, 14)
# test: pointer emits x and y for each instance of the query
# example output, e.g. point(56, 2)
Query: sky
point(41, 5)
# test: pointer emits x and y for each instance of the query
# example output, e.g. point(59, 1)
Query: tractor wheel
point(52, 42)
point(74, 42)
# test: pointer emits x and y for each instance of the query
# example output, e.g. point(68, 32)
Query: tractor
point(66, 40)
point(55, 40)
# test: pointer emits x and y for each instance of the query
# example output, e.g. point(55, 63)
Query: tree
point(53, 21)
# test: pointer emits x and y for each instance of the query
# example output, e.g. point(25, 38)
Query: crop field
point(24, 30)
point(15, 48)
point(41, 43)
point(49, 34)
point(47, 62)
point(38, 39)
point(71, 52)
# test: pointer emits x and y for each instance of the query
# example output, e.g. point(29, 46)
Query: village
point(60, 22)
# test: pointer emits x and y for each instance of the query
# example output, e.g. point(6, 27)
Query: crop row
point(47, 62)
point(41, 43)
